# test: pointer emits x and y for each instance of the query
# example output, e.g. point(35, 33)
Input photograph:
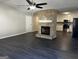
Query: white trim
point(12, 35)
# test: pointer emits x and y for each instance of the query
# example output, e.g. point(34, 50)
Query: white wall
point(12, 22)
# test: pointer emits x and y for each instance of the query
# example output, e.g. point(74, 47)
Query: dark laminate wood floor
point(27, 46)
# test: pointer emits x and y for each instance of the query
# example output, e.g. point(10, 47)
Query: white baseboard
point(12, 35)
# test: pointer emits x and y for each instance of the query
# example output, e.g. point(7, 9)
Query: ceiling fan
point(33, 5)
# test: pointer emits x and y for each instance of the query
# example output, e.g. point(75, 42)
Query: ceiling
point(61, 5)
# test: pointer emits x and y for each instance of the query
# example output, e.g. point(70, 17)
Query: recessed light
point(66, 13)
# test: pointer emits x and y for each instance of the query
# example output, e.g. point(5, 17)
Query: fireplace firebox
point(45, 30)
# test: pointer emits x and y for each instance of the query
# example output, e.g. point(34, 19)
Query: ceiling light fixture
point(32, 7)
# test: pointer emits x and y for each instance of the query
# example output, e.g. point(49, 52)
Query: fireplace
point(45, 30)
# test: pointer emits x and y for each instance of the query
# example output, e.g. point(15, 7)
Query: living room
point(33, 29)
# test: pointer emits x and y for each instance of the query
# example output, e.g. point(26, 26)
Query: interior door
point(28, 23)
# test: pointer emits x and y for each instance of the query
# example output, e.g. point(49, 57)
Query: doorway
point(29, 24)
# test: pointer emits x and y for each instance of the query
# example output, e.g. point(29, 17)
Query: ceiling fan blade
point(30, 3)
point(42, 4)
point(39, 7)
